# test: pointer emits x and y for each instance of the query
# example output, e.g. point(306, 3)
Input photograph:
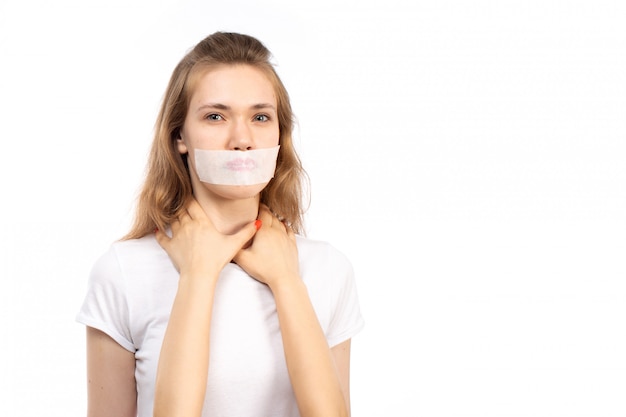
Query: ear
point(180, 145)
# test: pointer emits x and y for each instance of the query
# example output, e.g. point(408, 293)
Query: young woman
point(214, 304)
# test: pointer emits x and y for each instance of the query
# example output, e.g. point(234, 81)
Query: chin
point(236, 192)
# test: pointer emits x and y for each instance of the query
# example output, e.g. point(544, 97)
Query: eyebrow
point(221, 106)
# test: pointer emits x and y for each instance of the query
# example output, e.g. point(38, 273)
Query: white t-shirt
point(130, 295)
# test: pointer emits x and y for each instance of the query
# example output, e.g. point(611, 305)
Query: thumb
point(246, 233)
point(250, 231)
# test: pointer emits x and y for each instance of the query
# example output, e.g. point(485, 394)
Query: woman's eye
point(213, 117)
point(261, 118)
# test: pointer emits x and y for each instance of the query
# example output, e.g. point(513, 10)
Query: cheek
point(269, 138)
point(199, 136)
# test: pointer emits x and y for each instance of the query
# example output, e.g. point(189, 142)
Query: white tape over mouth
point(223, 167)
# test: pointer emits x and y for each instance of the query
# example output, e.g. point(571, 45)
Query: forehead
point(234, 84)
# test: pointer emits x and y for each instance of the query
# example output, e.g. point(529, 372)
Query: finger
point(241, 257)
point(162, 239)
point(271, 219)
point(175, 226)
point(242, 238)
point(245, 234)
point(264, 210)
point(266, 216)
point(182, 217)
point(194, 209)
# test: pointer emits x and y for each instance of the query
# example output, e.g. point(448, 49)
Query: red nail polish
point(156, 229)
point(257, 224)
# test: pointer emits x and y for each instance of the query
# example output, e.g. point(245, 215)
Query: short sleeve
point(346, 320)
point(105, 306)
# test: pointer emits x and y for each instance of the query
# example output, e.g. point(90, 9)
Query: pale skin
point(233, 107)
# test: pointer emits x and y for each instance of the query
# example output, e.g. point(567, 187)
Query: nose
point(240, 136)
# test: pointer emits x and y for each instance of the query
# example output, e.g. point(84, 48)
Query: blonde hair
point(167, 186)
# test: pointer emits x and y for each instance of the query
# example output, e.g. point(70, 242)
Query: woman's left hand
point(273, 256)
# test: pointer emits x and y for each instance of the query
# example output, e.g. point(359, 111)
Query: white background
point(468, 156)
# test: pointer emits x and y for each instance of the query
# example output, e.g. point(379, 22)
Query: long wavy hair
point(167, 185)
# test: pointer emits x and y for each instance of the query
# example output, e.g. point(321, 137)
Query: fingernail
point(156, 229)
point(257, 224)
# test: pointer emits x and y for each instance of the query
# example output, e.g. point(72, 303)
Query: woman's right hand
point(197, 247)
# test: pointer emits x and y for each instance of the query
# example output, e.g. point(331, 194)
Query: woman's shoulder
point(130, 253)
point(146, 245)
point(315, 250)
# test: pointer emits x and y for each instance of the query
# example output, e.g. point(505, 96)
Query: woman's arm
point(184, 360)
point(341, 355)
point(273, 259)
point(111, 387)
point(312, 369)
point(199, 252)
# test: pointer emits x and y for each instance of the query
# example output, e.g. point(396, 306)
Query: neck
point(229, 216)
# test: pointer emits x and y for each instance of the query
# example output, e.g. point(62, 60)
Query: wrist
point(198, 280)
point(288, 286)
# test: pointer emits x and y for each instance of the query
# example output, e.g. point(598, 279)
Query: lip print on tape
point(225, 167)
